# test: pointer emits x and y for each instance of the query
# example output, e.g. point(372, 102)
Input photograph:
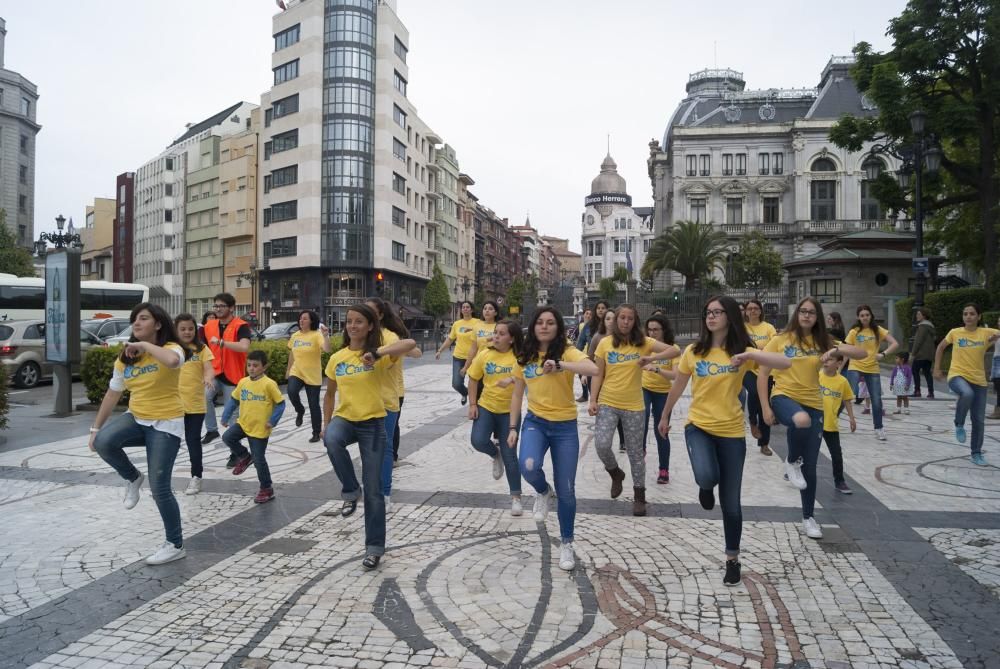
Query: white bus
point(23, 298)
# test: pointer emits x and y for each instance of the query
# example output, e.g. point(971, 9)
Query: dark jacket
point(923, 342)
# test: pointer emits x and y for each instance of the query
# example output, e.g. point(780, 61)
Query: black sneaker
point(231, 462)
point(707, 498)
point(313, 439)
point(843, 487)
point(732, 572)
point(209, 436)
point(298, 418)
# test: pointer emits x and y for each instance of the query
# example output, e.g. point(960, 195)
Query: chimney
point(3, 38)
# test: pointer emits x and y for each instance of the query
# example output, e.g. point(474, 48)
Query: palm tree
point(692, 249)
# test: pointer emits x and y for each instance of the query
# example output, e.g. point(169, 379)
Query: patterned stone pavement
point(907, 575)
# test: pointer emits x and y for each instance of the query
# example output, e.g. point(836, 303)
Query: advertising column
point(62, 322)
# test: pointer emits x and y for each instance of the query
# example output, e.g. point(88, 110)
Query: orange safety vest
point(227, 361)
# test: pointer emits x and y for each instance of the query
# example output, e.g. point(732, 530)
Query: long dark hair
point(737, 339)
point(531, 344)
point(472, 305)
point(633, 336)
point(819, 332)
point(313, 318)
point(496, 309)
point(668, 332)
point(872, 325)
point(516, 335)
point(838, 324)
point(197, 343)
point(595, 322)
point(374, 337)
point(390, 321)
point(167, 334)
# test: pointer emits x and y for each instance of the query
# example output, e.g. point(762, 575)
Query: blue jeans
point(803, 442)
point(497, 425)
point(457, 377)
point(258, 447)
point(123, 432)
point(561, 437)
point(370, 435)
point(391, 421)
point(754, 411)
point(971, 400)
point(192, 437)
point(654, 407)
point(874, 383)
point(211, 424)
point(718, 461)
point(295, 386)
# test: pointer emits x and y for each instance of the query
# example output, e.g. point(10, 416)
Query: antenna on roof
point(609, 143)
point(715, 54)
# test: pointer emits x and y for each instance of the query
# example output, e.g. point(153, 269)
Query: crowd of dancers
point(739, 369)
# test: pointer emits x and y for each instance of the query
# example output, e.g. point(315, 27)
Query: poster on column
point(56, 307)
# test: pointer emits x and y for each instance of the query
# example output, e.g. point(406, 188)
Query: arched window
point(823, 165)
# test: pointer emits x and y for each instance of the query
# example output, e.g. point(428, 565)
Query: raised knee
point(529, 464)
point(801, 419)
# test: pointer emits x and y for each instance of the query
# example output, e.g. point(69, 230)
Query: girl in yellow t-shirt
point(358, 371)
point(148, 367)
point(868, 336)
point(967, 375)
point(716, 443)
point(196, 378)
point(484, 331)
point(797, 401)
point(760, 332)
point(305, 368)
point(616, 398)
point(491, 385)
point(463, 334)
point(657, 378)
point(545, 367)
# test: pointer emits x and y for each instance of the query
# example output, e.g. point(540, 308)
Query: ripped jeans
point(561, 437)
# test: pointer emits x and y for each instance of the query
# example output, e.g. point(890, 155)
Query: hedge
point(4, 406)
point(946, 309)
point(99, 363)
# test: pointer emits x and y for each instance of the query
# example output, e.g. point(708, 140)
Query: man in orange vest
point(229, 339)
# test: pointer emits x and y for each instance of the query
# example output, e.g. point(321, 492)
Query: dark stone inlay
point(283, 546)
point(393, 611)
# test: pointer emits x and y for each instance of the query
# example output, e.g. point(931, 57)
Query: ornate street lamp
point(59, 239)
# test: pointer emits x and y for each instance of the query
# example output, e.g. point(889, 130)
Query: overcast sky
point(526, 91)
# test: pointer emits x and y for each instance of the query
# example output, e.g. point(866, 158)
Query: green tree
point(945, 61)
point(530, 298)
point(515, 294)
point(756, 265)
point(479, 298)
point(14, 259)
point(608, 286)
point(693, 249)
point(437, 301)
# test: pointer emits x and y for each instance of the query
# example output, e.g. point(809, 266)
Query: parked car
point(104, 328)
point(279, 331)
point(119, 338)
point(22, 351)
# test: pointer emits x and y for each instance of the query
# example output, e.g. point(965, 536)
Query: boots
point(639, 504)
point(617, 476)
point(995, 414)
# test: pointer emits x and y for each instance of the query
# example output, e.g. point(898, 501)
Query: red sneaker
point(264, 495)
point(664, 476)
point(242, 464)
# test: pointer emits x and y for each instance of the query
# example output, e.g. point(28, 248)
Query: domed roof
point(608, 181)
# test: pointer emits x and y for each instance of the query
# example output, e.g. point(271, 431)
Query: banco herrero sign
point(608, 198)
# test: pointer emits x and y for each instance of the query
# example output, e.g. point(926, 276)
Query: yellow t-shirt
point(307, 353)
point(190, 384)
point(390, 384)
point(715, 391)
point(463, 333)
point(257, 400)
point(655, 382)
point(359, 388)
point(835, 391)
point(484, 334)
point(622, 384)
point(550, 396)
point(967, 352)
point(760, 334)
point(799, 382)
point(865, 339)
point(152, 387)
point(488, 367)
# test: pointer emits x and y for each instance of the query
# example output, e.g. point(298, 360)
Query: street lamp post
point(60, 239)
point(250, 276)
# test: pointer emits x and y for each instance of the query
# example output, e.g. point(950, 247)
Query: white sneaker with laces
point(388, 505)
point(498, 469)
point(812, 528)
point(167, 553)
point(567, 559)
point(194, 487)
point(132, 491)
point(515, 506)
point(541, 507)
point(880, 433)
point(794, 472)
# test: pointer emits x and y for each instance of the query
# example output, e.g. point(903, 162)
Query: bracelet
point(513, 428)
point(95, 429)
point(559, 366)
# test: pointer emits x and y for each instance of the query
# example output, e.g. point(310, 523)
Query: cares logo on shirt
point(614, 357)
point(131, 371)
point(483, 333)
point(830, 392)
point(299, 342)
point(462, 329)
point(247, 395)
point(861, 339)
point(707, 368)
point(970, 343)
point(348, 369)
point(532, 371)
point(796, 352)
point(757, 337)
point(493, 368)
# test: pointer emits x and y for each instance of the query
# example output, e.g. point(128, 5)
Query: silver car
point(22, 351)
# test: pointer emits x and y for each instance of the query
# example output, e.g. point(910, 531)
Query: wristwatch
point(559, 366)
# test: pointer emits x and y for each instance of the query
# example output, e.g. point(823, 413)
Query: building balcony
point(839, 227)
point(433, 194)
point(434, 167)
point(777, 230)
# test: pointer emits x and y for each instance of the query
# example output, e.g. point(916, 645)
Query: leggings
point(608, 418)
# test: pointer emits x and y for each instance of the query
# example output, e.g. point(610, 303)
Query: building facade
point(18, 130)
point(467, 239)
point(238, 220)
point(446, 218)
point(124, 228)
point(97, 236)
point(761, 160)
point(494, 257)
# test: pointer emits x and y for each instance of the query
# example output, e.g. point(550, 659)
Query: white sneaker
point(880, 433)
point(194, 487)
point(388, 505)
point(132, 491)
point(897, 411)
point(541, 507)
point(794, 472)
point(906, 411)
point(167, 553)
point(567, 560)
point(812, 528)
point(515, 506)
point(498, 469)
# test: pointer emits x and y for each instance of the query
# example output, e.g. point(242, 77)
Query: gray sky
point(525, 91)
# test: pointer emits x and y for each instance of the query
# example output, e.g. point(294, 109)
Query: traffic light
point(676, 296)
point(379, 283)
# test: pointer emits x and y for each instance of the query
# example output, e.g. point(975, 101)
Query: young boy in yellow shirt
point(837, 393)
point(261, 405)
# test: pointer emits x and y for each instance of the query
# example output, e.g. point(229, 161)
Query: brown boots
point(639, 504)
point(617, 476)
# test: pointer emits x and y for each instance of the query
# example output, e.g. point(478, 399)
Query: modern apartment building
point(467, 238)
point(97, 235)
point(447, 221)
point(124, 228)
point(18, 128)
point(238, 180)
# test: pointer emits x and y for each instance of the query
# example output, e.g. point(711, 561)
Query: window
point(168, 215)
point(284, 141)
point(286, 176)
point(25, 107)
point(284, 211)
point(285, 106)
point(399, 116)
point(400, 49)
point(278, 248)
point(620, 245)
point(692, 166)
point(398, 217)
point(594, 271)
point(825, 290)
point(778, 162)
point(22, 173)
point(286, 72)
point(871, 208)
point(398, 82)
point(734, 210)
point(398, 184)
point(823, 165)
point(595, 248)
point(349, 62)
point(399, 149)
point(347, 135)
point(646, 243)
point(286, 38)
point(822, 203)
point(24, 144)
point(398, 252)
point(771, 209)
point(763, 163)
point(351, 26)
point(699, 210)
point(168, 190)
point(706, 164)
point(22, 204)
point(727, 164)
point(741, 164)
point(168, 164)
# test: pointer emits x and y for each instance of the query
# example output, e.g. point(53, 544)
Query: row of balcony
point(817, 227)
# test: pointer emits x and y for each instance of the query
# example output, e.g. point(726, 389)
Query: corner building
point(348, 169)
